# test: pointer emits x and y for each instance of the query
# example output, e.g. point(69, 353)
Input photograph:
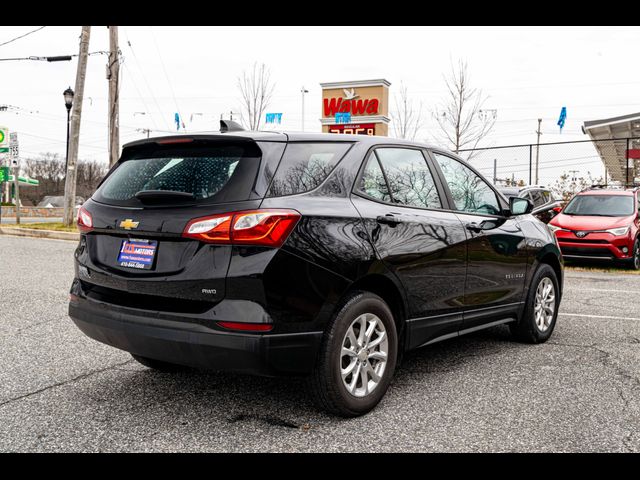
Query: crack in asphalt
point(28, 327)
point(269, 420)
point(60, 384)
point(620, 373)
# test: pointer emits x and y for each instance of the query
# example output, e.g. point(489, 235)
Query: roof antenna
point(230, 126)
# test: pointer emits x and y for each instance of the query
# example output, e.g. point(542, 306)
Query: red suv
point(602, 224)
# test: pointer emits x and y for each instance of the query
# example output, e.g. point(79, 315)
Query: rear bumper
point(196, 345)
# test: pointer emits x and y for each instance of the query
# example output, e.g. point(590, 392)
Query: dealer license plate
point(137, 253)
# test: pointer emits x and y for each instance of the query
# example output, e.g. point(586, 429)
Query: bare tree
point(461, 119)
point(407, 118)
point(256, 90)
point(48, 169)
point(566, 186)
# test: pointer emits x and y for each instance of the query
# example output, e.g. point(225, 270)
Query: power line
point(22, 36)
point(144, 78)
point(165, 74)
point(135, 85)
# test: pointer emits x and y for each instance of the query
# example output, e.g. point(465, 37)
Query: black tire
point(325, 383)
point(158, 365)
point(526, 330)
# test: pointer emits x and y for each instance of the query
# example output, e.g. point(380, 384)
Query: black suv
point(545, 204)
point(305, 254)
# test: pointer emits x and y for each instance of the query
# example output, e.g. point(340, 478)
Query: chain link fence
point(565, 167)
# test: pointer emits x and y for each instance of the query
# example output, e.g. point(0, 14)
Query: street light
point(68, 102)
point(303, 91)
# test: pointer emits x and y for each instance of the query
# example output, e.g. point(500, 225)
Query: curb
point(32, 232)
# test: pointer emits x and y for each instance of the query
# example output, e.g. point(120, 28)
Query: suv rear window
point(304, 166)
point(215, 173)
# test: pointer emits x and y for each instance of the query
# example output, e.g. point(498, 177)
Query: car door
point(424, 245)
point(497, 255)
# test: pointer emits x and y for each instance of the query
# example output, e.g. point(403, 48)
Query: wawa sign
point(367, 101)
point(350, 103)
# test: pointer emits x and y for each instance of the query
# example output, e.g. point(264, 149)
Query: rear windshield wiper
point(151, 196)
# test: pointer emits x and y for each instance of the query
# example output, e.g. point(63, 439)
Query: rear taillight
point(85, 220)
point(267, 227)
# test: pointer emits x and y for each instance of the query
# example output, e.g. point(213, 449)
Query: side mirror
point(520, 206)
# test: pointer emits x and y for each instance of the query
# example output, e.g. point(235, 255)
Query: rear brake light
point(269, 227)
point(246, 327)
point(175, 140)
point(85, 220)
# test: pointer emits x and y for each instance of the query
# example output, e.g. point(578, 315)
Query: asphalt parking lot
point(61, 391)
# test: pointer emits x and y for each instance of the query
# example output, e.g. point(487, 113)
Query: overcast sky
point(527, 72)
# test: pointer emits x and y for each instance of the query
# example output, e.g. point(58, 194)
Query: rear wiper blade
point(159, 195)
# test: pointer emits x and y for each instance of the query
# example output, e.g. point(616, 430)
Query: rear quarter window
point(304, 166)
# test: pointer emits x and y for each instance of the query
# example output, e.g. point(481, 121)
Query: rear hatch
point(135, 253)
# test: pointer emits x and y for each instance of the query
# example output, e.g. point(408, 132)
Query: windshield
point(214, 174)
point(600, 205)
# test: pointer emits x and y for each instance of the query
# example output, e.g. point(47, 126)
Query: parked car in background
point(600, 224)
point(545, 204)
point(305, 254)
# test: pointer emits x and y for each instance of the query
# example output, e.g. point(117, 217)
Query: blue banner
point(344, 117)
point(563, 117)
point(273, 118)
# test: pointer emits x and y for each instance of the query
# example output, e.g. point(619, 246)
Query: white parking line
point(598, 316)
point(601, 290)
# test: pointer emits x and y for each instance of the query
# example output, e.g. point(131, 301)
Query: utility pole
point(16, 192)
point(113, 75)
point(495, 170)
point(303, 91)
point(538, 148)
point(70, 180)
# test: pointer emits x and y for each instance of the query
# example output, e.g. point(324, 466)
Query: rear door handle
point(388, 219)
point(474, 227)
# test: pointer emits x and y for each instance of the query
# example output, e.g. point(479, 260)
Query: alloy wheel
point(545, 304)
point(363, 356)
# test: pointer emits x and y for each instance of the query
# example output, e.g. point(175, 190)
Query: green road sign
point(4, 174)
point(24, 181)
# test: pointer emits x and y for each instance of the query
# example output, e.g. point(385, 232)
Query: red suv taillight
point(85, 220)
point(268, 227)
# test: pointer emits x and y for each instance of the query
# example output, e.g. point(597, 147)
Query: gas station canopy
point(622, 151)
